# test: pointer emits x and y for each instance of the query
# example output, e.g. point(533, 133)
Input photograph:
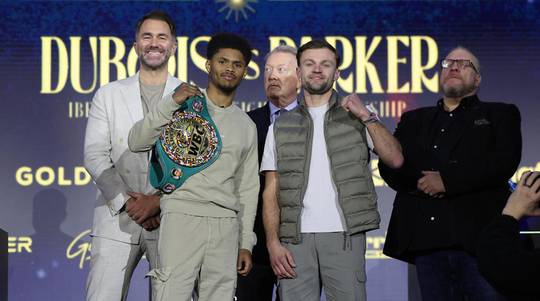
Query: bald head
point(463, 50)
point(458, 79)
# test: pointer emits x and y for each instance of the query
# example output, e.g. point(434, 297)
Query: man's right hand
point(185, 91)
point(281, 260)
point(152, 223)
point(141, 207)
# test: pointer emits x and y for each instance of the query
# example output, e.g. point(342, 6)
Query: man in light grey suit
point(127, 207)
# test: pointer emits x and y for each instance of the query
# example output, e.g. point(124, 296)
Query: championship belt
point(189, 143)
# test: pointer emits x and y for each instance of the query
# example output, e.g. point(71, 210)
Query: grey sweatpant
point(339, 261)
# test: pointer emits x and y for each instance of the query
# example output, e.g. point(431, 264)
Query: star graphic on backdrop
point(237, 7)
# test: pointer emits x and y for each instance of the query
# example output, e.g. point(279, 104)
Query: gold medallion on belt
point(189, 140)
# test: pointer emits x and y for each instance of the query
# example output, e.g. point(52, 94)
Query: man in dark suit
point(459, 156)
point(281, 86)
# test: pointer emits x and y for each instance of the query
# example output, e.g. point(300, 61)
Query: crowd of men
point(283, 196)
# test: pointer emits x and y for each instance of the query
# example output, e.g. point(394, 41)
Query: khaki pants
point(332, 259)
point(196, 248)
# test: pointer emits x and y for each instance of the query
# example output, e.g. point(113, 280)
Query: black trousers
point(257, 285)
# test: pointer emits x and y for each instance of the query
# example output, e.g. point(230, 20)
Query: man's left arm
point(497, 165)
point(247, 186)
point(385, 145)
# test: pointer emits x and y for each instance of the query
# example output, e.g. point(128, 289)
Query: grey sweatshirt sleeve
point(144, 133)
point(247, 187)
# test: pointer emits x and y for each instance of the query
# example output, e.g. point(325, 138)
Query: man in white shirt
point(319, 198)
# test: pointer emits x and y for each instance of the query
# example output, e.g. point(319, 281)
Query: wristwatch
point(373, 117)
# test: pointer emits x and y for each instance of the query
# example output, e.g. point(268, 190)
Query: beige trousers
point(196, 250)
point(112, 265)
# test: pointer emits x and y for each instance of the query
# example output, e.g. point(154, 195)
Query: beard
point(153, 64)
point(318, 89)
point(457, 91)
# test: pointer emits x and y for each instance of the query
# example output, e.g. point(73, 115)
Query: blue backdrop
point(55, 55)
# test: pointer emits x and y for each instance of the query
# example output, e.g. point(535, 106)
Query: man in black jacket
point(501, 257)
point(281, 86)
point(459, 156)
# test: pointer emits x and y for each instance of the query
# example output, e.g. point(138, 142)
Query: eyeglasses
point(461, 64)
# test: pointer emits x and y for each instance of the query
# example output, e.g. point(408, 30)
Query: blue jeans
point(452, 275)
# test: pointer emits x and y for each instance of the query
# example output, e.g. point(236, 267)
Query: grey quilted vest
point(350, 167)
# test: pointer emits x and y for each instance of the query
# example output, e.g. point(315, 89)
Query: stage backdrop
point(55, 55)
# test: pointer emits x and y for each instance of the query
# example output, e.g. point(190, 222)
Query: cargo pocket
point(159, 279)
point(360, 286)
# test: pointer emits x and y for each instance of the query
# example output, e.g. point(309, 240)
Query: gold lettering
point(45, 176)
point(81, 249)
point(358, 71)
point(376, 176)
point(198, 60)
point(78, 109)
point(393, 61)
point(417, 69)
point(374, 247)
point(375, 242)
point(75, 64)
point(24, 176)
point(182, 62)
point(132, 62)
point(304, 40)
point(364, 66)
point(61, 178)
point(253, 66)
point(46, 65)
point(345, 82)
point(106, 60)
point(12, 244)
point(25, 242)
point(18, 244)
point(81, 176)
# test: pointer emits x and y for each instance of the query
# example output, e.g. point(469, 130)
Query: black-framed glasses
point(461, 64)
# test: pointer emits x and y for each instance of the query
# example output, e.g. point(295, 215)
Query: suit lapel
point(132, 92)
point(171, 84)
point(266, 116)
point(132, 98)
